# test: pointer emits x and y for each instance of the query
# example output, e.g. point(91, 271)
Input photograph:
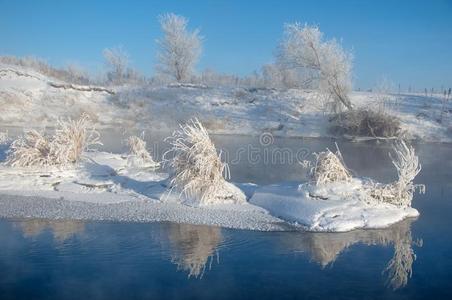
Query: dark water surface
point(44, 259)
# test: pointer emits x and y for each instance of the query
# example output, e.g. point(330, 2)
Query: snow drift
point(336, 201)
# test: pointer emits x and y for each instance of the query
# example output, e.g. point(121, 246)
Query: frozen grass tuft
point(31, 149)
point(71, 138)
point(199, 172)
point(139, 154)
point(66, 146)
point(400, 192)
point(329, 167)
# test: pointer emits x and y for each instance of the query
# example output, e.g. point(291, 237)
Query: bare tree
point(325, 62)
point(117, 61)
point(179, 49)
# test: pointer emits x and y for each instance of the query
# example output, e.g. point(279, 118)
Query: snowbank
point(344, 210)
point(30, 99)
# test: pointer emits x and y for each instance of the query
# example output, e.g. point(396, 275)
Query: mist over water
point(65, 259)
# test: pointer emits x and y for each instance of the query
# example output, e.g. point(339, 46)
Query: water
point(43, 259)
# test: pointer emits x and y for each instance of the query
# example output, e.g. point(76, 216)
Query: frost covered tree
point(117, 61)
point(272, 76)
point(179, 49)
point(325, 61)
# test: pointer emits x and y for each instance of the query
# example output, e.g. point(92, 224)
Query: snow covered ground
point(29, 99)
point(344, 210)
point(106, 186)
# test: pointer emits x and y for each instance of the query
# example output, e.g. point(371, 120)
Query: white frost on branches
point(199, 172)
point(303, 48)
point(179, 49)
point(117, 61)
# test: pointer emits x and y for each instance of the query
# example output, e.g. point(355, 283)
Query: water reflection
point(193, 247)
point(325, 248)
point(61, 230)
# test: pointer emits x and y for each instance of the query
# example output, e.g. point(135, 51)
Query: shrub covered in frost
point(66, 146)
point(365, 122)
point(199, 172)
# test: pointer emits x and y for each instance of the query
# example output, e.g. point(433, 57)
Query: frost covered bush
point(367, 123)
point(325, 63)
point(66, 146)
point(329, 168)
point(199, 172)
point(138, 153)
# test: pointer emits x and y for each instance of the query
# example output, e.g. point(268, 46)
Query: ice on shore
point(344, 210)
point(105, 186)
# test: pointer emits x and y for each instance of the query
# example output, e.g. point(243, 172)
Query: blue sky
point(408, 42)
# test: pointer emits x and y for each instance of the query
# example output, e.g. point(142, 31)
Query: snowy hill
point(29, 99)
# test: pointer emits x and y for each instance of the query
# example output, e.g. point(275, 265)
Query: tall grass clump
point(329, 167)
point(199, 172)
point(65, 147)
point(139, 154)
point(399, 192)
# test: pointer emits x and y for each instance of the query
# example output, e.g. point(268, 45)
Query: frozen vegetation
point(306, 92)
point(63, 166)
point(199, 172)
point(334, 200)
point(33, 100)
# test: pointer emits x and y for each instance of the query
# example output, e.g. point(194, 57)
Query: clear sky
point(408, 42)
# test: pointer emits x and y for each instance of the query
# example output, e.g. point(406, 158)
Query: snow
point(108, 186)
point(104, 186)
point(28, 99)
point(333, 207)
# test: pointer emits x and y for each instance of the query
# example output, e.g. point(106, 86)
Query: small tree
point(117, 61)
point(325, 62)
point(179, 49)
